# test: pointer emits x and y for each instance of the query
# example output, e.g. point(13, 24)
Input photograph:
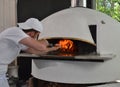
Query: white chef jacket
point(10, 47)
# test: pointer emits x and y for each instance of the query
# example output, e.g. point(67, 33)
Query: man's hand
point(58, 46)
point(54, 48)
point(49, 48)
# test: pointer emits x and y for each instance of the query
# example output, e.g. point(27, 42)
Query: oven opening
point(72, 47)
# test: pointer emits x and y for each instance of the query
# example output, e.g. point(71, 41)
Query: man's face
point(34, 34)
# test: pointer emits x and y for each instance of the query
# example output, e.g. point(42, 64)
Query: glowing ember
point(66, 45)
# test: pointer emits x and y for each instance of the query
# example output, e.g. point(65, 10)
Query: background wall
point(39, 8)
point(7, 14)
point(42, 8)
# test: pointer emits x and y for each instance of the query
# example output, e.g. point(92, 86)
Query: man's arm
point(33, 51)
point(38, 47)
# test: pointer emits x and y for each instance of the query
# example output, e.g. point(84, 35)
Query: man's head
point(32, 33)
point(32, 27)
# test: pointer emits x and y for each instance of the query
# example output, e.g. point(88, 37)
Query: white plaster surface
point(108, 32)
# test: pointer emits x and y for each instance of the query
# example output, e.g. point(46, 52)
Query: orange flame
point(66, 45)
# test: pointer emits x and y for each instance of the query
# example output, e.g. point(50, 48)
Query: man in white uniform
point(15, 39)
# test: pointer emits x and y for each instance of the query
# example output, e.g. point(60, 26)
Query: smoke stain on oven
point(72, 47)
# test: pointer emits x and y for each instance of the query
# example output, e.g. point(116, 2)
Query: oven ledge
point(84, 58)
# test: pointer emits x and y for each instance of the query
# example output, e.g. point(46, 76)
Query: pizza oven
point(87, 37)
point(71, 29)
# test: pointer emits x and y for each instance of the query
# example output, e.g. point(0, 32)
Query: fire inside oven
point(72, 47)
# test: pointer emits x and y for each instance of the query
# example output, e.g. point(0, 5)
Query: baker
point(24, 37)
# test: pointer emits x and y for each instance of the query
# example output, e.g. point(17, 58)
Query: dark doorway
point(39, 8)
